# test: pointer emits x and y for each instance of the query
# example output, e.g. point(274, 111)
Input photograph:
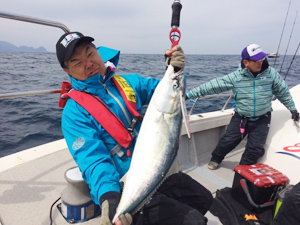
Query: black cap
point(66, 45)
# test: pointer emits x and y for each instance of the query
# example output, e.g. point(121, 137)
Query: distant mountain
point(8, 47)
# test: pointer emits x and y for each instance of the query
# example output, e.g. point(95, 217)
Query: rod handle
point(176, 8)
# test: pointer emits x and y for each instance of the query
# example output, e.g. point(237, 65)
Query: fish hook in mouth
point(177, 79)
point(176, 84)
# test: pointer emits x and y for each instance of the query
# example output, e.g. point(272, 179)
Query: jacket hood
point(107, 54)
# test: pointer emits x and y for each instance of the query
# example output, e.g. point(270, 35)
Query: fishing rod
point(282, 33)
point(288, 42)
point(175, 34)
point(13, 16)
point(297, 123)
point(291, 62)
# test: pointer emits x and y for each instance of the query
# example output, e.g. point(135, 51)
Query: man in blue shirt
point(91, 71)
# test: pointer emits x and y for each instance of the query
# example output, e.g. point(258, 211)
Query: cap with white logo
point(253, 52)
point(66, 45)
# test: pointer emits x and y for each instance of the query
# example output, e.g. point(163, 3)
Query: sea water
point(26, 122)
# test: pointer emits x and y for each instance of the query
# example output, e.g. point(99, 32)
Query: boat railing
point(55, 91)
point(212, 96)
point(297, 123)
point(14, 16)
point(28, 19)
point(29, 93)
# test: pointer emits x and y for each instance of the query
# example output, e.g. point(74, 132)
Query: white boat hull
point(283, 142)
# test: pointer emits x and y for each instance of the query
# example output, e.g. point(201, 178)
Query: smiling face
point(253, 66)
point(85, 62)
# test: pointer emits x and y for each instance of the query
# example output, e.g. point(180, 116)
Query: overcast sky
point(139, 26)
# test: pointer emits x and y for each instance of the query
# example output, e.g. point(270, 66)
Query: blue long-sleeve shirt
point(88, 142)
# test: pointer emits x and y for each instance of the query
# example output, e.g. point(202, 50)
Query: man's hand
point(124, 219)
point(175, 57)
point(109, 210)
point(295, 115)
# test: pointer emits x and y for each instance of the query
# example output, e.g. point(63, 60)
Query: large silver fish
point(157, 143)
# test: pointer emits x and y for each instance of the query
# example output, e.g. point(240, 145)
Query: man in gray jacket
point(253, 84)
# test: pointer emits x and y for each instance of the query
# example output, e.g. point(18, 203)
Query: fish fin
point(185, 115)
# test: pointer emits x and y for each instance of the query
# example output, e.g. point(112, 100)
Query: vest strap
point(117, 150)
point(108, 120)
point(128, 95)
point(132, 125)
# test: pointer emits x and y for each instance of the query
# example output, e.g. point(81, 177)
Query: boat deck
point(29, 189)
point(32, 180)
point(215, 179)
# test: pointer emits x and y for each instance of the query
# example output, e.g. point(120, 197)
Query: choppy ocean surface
point(30, 121)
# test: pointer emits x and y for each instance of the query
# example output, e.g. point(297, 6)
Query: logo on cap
point(69, 38)
point(255, 50)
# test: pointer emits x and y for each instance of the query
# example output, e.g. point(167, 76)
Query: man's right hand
point(175, 57)
point(124, 219)
point(108, 211)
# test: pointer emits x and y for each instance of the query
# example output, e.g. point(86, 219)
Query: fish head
point(167, 94)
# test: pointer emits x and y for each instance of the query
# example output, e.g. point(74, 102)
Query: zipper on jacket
point(119, 103)
point(254, 98)
point(104, 85)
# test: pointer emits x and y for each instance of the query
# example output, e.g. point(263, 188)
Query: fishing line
point(288, 42)
point(282, 32)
